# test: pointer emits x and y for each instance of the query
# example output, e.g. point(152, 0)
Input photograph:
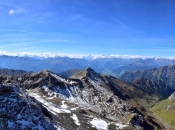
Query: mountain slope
point(165, 73)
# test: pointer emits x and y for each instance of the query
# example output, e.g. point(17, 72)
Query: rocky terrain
point(19, 111)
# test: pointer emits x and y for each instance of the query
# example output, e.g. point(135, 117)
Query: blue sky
point(124, 27)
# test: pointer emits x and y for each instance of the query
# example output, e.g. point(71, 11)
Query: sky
point(99, 27)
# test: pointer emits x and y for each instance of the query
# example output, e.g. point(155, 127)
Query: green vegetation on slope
point(166, 111)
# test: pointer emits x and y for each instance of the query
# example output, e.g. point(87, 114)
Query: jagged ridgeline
point(84, 101)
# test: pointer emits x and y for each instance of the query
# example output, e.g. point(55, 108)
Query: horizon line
point(78, 56)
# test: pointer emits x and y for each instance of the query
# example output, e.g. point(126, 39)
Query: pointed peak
point(89, 69)
point(46, 71)
point(84, 73)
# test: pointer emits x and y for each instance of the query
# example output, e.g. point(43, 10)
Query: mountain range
point(165, 74)
point(111, 66)
point(85, 100)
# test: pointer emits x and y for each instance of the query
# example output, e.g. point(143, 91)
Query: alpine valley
point(65, 93)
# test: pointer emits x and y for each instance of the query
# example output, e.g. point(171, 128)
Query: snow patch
point(99, 124)
point(120, 126)
point(64, 105)
point(73, 109)
point(75, 118)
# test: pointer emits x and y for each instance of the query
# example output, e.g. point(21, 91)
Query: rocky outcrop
point(153, 87)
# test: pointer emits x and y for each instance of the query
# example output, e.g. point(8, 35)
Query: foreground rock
point(19, 111)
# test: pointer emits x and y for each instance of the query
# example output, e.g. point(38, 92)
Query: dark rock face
point(19, 111)
point(153, 87)
point(166, 74)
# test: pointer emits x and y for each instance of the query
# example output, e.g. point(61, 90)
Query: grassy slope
point(166, 110)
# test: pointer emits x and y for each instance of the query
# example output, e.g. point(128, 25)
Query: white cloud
point(79, 56)
point(11, 11)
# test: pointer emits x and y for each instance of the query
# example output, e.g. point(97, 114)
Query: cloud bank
point(79, 56)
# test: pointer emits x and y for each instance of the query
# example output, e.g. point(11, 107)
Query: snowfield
point(51, 107)
point(99, 124)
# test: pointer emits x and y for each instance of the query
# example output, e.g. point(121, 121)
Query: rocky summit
point(84, 101)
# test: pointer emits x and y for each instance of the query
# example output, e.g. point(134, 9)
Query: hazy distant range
point(115, 66)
